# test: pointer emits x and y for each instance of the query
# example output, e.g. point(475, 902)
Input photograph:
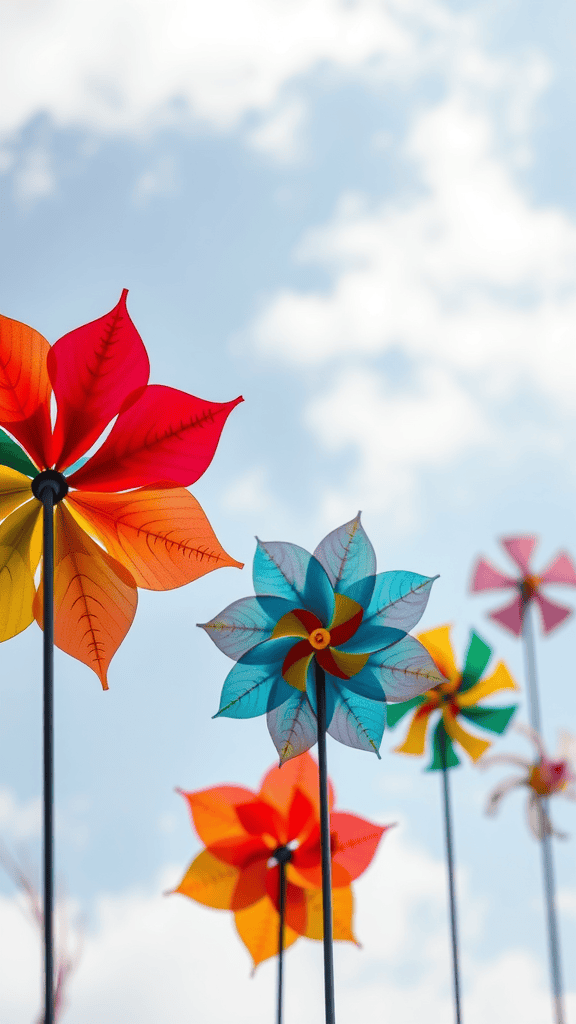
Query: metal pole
point(48, 493)
point(282, 914)
point(326, 849)
point(451, 885)
point(545, 842)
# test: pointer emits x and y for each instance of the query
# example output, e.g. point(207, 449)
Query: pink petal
point(486, 577)
point(520, 550)
point(552, 614)
point(561, 570)
point(510, 617)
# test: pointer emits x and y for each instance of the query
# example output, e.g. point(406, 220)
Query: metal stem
point(451, 884)
point(47, 497)
point(326, 848)
point(546, 843)
point(282, 914)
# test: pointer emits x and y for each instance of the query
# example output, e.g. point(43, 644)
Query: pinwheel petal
point(499, 680)
point(438, 643)
point(165, 435)
point(295, 900)
point(561, 570)
point(494, 719)
point(520, 550)
point(302, 817)
point(255, 684)
point(293, 726)
point(12, 455)
point(288, 571)
point(280, 785)
point(342, 915)
point(94, 369)
point(552, 614)
point(355, 721)
point(473, 746)
point(242, 852)
point(371, 637)
point(214, 814)
point(209, 881)
point(477, 658)
point(245, 623)
point(365, 683)
point(20, 545)
point(251, 884)
point(405, 670)
point(354, 842)
point(497, 794)
point(399, 599)
point(349, 558)
point(395, 712)
point(259, 817)
point(25, 388)
point(161, 536)
point(415, 742)
point(14, 490)
point(257, 926)
point(487, 577)
point(443, 753)
point(510, 616)
point(95, 597)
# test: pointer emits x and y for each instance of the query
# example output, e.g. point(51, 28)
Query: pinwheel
point(96, 545)
point(456, 698)
point(517, 618)
point(322, 646)
point(262, 859)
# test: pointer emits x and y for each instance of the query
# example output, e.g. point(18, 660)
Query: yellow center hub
point(319, 639)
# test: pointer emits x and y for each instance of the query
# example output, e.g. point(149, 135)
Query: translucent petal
point(561, 570)
point(12, 455)
point(552, 614)
point(499, 680)
point(348, 557)
point(372, 636)
point(405, 670)
point(354, 842)
point(293, 726)
point(438, 643)
point(288, 571)
point(494, 719)
point(520, 550)
point(25, 389)
point(255, 684)
point(214, 811)
point(487, 577)
point(15, 490)
point(366, 684)
point(395, 712)
point(18, 534)
point(415, 742)
point(257, 926)
point(399, 599)
point(279, 785)
point(210, 881)
point(510, 616)
point(443, 753)
point(357, 722)
point(477, 658)
point(245, 623)
point(342, 915)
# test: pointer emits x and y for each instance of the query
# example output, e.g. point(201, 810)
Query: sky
point(362, 217)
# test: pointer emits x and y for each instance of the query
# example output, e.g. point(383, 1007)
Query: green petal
point(451, 760)
point(394, 712)
point(494, 719)
point(13, 456)
point(477, 658)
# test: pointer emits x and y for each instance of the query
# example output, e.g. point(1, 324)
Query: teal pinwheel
point(330, 610)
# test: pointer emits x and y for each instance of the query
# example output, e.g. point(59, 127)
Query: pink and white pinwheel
point(528, 585)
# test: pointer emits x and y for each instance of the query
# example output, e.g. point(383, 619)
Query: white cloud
point(249, 492)
point(35, 177)
point(279, 135)
point(19, 820)
point(156, 181)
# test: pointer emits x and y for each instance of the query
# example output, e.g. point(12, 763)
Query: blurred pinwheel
point(456, 698)
point(327, 611)
point(153, 535)
point(544, 777)
point(528, 585)
point(247, 837)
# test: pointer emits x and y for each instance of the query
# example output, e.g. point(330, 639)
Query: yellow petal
point(257, 926)
point(344, 609)
point(15, 489)
point(349, 663)
point(289, 625)
point(499, 680)
point(438, 644)
point(342, 912)
point(297, 674)
point(471, 744)
point(415, 742)
point(20, 537)
point(210, 881)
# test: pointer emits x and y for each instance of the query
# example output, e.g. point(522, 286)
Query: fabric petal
point(561, 570)
point(244, 624)
point(443, 753)
point(342, 914)
point(293, 726)
point(399, 599)
point(405, 670)
point(487, 577)
point(497, 794)
point(25, 389)
point(371, 636)
point(473, 746)
point(494, 719)
point(510, 616)
point(349, 558)
point(95, 597)
point(395, 712)
point(255, 684)
point(415, 742)
point(94, 369)
point(499, 680)
point(357, 722)
point(552, 614)
point(165, 435)
point(354, 842)
point(214, 814)
point(209, 881)
point(257, 926)
point(280, 785)
point(439, 644)
point(161, 536)
point(289, 571)
point(20, 546)
point(15, 490)
point(520, 550)
point(477, 657)
point(12, 455)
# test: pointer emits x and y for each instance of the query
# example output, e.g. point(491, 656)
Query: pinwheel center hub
point(52, 479)
point(282, 855)
point(319, 639)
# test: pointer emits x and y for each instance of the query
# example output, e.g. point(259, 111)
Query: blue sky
point(362, 217)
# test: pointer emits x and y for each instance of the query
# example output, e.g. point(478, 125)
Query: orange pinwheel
point(153, 535)
point(247, 835)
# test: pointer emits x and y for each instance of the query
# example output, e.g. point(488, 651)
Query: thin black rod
point(282, 915)
point(546, 840)
point(326, 848)
point(451, 883)
point(47, 497)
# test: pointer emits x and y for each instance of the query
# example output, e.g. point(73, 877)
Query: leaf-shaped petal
point(245, 623)
point(165, 435)
point(366, 684)
point(161, 536)
point(214, 811)
point(257, 926)
point(292, 726)
point(289, 571)
point(399, 599)
point(20, 545)
point(349, 558)
point(12, 455)
point(95, 597)
point(255, 684)
point(279, 785)
point(14, 490)
point(372, 636)
point(210, 881)
point(94, 369)
point(354, 842)
point(25, 388)
point(405, 670)
point(357, 722)
point(342, 914)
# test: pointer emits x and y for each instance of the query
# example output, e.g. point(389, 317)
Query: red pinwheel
point(153, 535)
point(527, 586)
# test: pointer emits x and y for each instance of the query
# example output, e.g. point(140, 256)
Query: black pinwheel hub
point(282, 855)
point(54, 480)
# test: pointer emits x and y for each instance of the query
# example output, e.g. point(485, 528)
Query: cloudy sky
point(361, 216)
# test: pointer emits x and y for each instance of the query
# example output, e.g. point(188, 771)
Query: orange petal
point(209, 881)
point(25, 388)
point(95, 597)
point(214, 812)
point(161, 536)
point(342, 912)
point(257, 926)
point(279, 784)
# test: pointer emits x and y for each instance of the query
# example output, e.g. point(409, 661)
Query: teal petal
point(76, 465)
point(371, 637)
point(292, 726)
point(364, 684)
point(405, 670)
point(494, 719)
point(450, 759)
point(255, 685)
point(245, 623)
point(477, 658)
point(357, 722)
point(349, 558)
point(288, 571)
point(395, 712)
point(399, 599)
point(13, 456)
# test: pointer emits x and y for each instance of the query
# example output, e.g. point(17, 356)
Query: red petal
point(510, 616)
point(166, 435)
point(251, 885)
point(25, 388)
point(520, 550)
point(486, 577)
point(240, 851)
point(296, 915)
point(93, 371)
point(214, 811)
point(279, 784)
point(301, 817)
point(301, 649)
point(326, 661)
point(354, 843)
point(259, 818)
point(552, 614)
point(561, 570)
